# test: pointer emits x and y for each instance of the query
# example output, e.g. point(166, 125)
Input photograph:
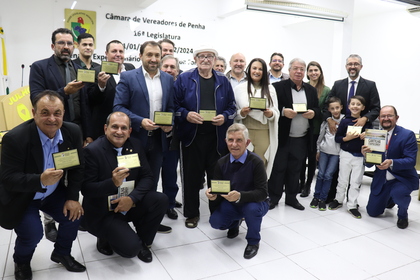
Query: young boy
point(327, 155)
point(351, 158)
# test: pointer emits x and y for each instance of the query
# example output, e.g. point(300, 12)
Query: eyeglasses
point(203, 57)
point(63, 43)
point(353, 64)
point(386, 116)
point(277, 60)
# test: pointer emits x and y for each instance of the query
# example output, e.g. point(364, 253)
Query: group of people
point(252, 127)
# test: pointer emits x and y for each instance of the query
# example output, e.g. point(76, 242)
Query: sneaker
point(334, 205)
point(314, 203)
point(322, 206)
point(355, 213)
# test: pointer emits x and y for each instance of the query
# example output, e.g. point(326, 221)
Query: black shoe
point(178, 204)
point(68, 262)
point(322, 206)
point(390, 205)
point(50, 232)
point(233, 232)
point(314, 203)
point(334, 205)
point(164, 229)
point(145, 254)
point(272, 205)
point(402, 223)
point(103, 247)
point(172, 214)
point(23, 271)
point(305, 192)
point(355, 213)
point(251, 251)
point(296, 205)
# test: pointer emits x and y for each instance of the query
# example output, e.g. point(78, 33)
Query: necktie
point(119, 151)
point(351, 94)
point(71, 102)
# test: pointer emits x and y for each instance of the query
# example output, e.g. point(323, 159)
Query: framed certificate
point(66, 160)
point(220, 186)
point(375, 139)
point(354, 129)
point(163, 118)
point(87, 76)
point(300, 107)
point(374, 158)
point(109, 67)
point(208, 115)
point(129, 161)
point(257, 103)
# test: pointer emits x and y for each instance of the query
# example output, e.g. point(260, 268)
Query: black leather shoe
point(272, 205)
point(251, 251)
point(172, 214)
point(103, 247)
point(402, 223)
point(296, 205)
point(23, 271)
point(145, 254)
point(233, 232)
point(68, 262)
point(178, 204)
point(50, 232)
point(164, 229)
point(305, 192)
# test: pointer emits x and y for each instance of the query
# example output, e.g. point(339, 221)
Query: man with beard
point(236, 74)
point(85, 45)
point(396, 177)
point(142, 92)
point(276, 65)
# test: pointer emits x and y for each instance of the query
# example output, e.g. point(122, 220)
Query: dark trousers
point(198, 158)
point(286, 170)
point(311, 156)
point(30, 231)
point(169, 175)
point(154, 154)
point(394, 190)
point(146, 218)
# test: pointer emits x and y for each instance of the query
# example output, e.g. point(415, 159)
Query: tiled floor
point(307, 244)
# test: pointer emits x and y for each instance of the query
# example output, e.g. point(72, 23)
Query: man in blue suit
point(396, 177)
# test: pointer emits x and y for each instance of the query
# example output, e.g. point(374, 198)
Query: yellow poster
point(15, 108)
point(80, 21)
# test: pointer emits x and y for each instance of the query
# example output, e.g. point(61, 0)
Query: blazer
point(285, 100)
point(101, 160)
point(132, 98)
point(46, 75)
point(402, 149)
point(365, 88)
point(102, 103)
point(22, 163)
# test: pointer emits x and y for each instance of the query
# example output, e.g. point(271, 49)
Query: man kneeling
point(247, 198)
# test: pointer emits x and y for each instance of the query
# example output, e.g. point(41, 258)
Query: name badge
point(67, 159)
point(129, 161)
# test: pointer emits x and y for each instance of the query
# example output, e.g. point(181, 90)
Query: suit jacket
point(78, 61)
point(46, 75)
point(402, 149)
point(22, 163)
point(101, 160)
point(101, 103)
point(285, 100)
point(132, 98)
point(365, 88)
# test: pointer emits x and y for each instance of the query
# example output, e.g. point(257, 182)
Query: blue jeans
point(327, 166)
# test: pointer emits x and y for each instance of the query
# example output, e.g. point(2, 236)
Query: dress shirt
point(154, 88)
point(389, 175)
point(355, 85)
point(241, 159)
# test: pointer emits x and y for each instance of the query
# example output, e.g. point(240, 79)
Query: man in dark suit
point(102, 93)
point(103, 177)
point(295, 133)
point(29, 183)
point(396, 177)
point(86, 46)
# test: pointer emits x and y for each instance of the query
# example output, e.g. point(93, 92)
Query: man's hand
point(87, 141)
point(119, 174)
point(194, 117)
point(73, 87)
point(218, 120)
point(209, 195)
point(310, 114)
point(232, 196)
point(148, 124)
point(73, 210)
point(360, 121)
point(166, 128)
point(124, 204)
point(365, 149)
point(50, 176)
point(317, 156)
point(332, 125)
point(289, 113)
point(102, 79)
point(385, 164)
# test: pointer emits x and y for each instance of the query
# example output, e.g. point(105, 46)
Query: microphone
point(23, 66)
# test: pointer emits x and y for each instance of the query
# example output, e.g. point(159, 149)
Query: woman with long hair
point(262, 124)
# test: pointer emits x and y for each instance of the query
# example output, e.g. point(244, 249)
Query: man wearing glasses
point(276, 65)
point(204, 109)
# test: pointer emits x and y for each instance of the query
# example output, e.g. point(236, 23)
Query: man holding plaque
point(102, 92)
point(245, 196)
point(395, 177)
point(106, 172)
point(32, 181)
point(86, 46)
point(205, 107)
point(298, 106)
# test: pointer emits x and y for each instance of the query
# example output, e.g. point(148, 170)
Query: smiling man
point(236, 74)
point(276, 65)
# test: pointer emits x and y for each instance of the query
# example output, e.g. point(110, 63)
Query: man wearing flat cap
point(204, 109)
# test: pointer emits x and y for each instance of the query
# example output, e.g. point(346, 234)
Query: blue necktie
point(351, 94)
